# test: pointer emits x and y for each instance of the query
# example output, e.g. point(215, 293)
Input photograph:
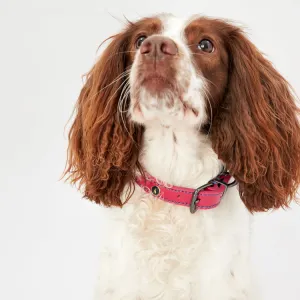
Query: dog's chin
point(154, 100)
point(164, 111)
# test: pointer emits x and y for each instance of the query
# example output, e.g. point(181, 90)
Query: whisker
point(128, 21)
point(123, 92)
point(123, 96)
point(207, 96)
point(122, 101)
point(111, 97)
point(116, 18)
point(211, 82)
point(122, 75)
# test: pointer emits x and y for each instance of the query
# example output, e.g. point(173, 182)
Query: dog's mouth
point(156, 83)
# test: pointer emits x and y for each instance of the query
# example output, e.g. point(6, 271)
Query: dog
point(183, 129)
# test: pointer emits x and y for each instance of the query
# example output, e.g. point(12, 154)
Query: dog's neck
point(179, 155)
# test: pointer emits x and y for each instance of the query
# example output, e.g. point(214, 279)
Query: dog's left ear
point(103, 144)
point(256, 131)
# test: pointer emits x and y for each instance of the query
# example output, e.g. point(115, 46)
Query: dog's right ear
point(256, 132)
point(103, 145)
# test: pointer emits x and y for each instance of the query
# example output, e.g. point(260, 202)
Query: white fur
point(156, 109)
point(155, 250)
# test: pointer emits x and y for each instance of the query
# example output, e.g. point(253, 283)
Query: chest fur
point(161, 249)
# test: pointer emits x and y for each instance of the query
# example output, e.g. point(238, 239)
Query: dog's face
point(179, 70)
point(202, 72)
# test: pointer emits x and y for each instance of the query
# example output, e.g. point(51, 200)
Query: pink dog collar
point(206, 196)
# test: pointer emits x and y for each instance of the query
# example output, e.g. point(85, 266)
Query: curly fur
point(228, 107)
point(256, 130)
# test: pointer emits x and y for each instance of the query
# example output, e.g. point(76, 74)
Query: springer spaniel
point(182, 128)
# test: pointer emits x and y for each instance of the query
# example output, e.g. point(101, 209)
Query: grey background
point(48, 235)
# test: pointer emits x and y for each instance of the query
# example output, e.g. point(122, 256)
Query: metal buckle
point(195, 200)
point(216, 180)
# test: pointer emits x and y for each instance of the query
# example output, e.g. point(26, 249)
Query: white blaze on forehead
point(173, 27)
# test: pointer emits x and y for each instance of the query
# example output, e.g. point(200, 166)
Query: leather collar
point(207, 196)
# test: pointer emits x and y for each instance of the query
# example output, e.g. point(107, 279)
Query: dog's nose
point(158, 47)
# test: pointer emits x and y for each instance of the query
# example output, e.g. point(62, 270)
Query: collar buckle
point(216, 180)
point(195, 200)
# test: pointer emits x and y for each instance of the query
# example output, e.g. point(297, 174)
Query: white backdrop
point(48, 234)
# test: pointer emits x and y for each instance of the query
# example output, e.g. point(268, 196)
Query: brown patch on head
point(145, 27)
point(213, 66)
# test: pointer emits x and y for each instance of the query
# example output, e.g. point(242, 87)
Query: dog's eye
point(139, 41)
point(206, 46)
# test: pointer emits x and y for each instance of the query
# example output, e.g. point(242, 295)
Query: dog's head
point(202, 73)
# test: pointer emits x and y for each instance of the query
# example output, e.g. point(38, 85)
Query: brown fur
point(256, 130)
point(103, 145)
point(254, 127)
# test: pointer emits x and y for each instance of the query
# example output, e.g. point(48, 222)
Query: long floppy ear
point(256, 130)
point(103, 144)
